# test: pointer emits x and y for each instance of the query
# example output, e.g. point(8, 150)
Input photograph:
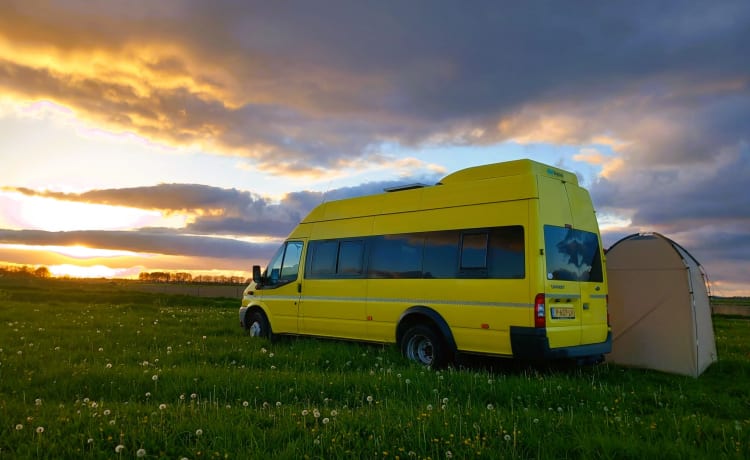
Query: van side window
point(441, 254)
point(474, 251)
point(350, 258)
point(333, 258)
point(396, 256)
point(323, 257)
point(506, 253)
point(290, 266)
point(284, 265)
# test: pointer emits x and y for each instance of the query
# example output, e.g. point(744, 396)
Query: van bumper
point(532, 343)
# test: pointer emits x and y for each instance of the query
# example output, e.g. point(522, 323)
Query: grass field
point(90, 371)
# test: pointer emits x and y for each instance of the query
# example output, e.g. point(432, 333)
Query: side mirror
point(256, 274)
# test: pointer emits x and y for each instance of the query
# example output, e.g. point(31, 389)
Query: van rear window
point(572, 255)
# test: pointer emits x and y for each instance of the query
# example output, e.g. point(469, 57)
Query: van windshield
point(572, 255)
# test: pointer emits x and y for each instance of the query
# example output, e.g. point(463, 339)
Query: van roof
point(508, 168)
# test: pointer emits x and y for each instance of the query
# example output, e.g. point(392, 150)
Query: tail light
point(540, 319)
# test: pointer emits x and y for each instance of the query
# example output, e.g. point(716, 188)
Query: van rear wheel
point(423, 345)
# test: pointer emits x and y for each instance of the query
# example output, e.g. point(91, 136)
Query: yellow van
point(503, 259)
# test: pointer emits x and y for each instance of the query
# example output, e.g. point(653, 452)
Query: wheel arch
point(425, 315)
point(253, 308)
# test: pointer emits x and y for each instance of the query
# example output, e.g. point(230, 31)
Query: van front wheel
point(424, 346)
point(258, 326)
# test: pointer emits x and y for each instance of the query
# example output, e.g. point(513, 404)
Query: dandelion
point(39, 429)
point(162, 406)
point(507, 437)
point(263, 350)
point(19, 427)
point(37, 402)
point(204, 337)
point(334, 413)
point(326, 420)
point(316, 413)
point(245, 404)
point(107, 412)
point(109, 366)
point(449, 454)
point(119, 448)
point(490, 407)
point(278, 403)
point(90, 441)
point(304, 412)
point(559, 409)
point(536, 420)
point(101, 349)
point(148, 394)
point(429, 407)
point(369, 399)
point(182, 397)
point(154, 377)
point(407, 381)
point(193, 395)
point(140, 453)
point(273, 368)
point(199, 432)
point(270, 355)
point(445, 401)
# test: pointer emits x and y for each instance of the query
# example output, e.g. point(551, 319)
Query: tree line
point(184, 277)
point(151, 277)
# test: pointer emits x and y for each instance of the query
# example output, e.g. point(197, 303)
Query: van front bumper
point(532, 343)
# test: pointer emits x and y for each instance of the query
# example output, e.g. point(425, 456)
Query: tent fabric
point(659, 307)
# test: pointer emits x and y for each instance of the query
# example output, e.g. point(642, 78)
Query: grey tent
point(659, 307)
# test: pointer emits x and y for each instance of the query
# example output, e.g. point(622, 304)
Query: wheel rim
point(255, 329)
point(419, 349)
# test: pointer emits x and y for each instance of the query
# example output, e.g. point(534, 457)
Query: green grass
point(97, 368)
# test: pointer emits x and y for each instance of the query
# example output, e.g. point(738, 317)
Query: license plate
point(563, 312)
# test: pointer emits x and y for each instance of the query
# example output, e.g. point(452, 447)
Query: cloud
point(154, 241)
point(313, 85)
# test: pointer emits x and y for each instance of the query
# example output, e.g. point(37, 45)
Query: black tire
point(258, 325)
point(423, 345)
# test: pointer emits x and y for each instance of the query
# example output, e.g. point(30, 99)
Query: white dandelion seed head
point(326, 420)
point(448, 454)
point(445, 401)
point(278, 403)
point(112, 422)
point(507, 437)
point(334, 413)
point(107, 412)
point(40, 429)
point(193, 395)
point(316, 413)
point(369, 399)
point(245, 404)
point(109, 365)
point(490, 407)
point(162, 406)
point(90, 441)
point(140, 453)
point(199, 432)
point(119, 448)
point(304, 412)
point(101, 349)
point(408, 381)
point(37, 402)
point(19, 427)
point(154, 377)
point(148, 394)
point(429, 407)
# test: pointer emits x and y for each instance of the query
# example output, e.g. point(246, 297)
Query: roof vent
point(400, 188)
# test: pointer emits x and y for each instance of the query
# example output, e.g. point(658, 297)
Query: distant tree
point(42, 272)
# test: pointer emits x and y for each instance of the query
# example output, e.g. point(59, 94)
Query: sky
point(193, 136)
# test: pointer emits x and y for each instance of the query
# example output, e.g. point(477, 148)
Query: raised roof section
point(508, 168)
